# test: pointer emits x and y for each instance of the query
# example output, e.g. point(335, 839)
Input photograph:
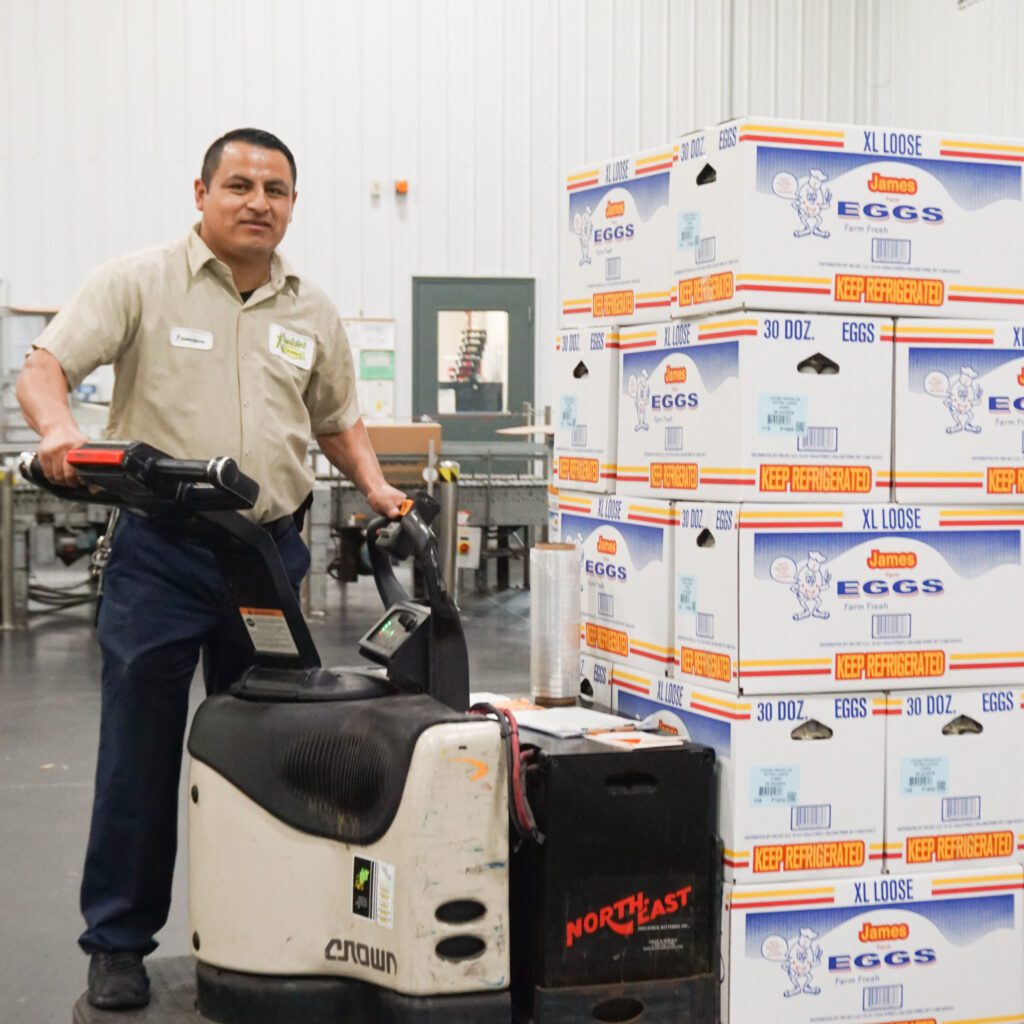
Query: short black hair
point(254, 137)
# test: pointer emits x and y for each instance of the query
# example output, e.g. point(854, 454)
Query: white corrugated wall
point(106, 107)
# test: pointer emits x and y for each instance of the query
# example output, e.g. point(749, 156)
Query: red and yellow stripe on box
point(712, 330)
point(796, 135)
point(787, 896)
point(972, 149)
point(583, 179)
point(938, 333)
point(783, 283)
point(806, 519)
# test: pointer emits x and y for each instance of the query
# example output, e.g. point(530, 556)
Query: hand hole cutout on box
point(818, 364)
point(585, 688)
point(962, 726)
point(631, 783)
point(705, 539)
point(707, 175)
point(812, 729)
point(581, 371)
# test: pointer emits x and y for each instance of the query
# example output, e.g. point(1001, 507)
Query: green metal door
point(473, 353)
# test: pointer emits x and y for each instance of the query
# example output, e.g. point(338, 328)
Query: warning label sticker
point(268, 630)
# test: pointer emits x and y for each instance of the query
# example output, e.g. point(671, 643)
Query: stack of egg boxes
point(830, 421)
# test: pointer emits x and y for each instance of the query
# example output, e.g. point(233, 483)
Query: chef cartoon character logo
point(809, 196)
point(807, 581)
point(582, 223)
point(798, 957)
point(960, 395)
point(639, 388)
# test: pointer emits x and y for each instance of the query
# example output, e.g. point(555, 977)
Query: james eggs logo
point(607, 546)
point(675, 374)
point(891, 559)
point(883, 932)
point(615, 209)
point(896, 186)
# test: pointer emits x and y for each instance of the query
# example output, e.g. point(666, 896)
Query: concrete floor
point(49, 714)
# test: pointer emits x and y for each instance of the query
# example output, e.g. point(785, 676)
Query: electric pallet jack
point(349, 842)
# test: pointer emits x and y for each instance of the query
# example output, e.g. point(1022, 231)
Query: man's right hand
point(53, 450)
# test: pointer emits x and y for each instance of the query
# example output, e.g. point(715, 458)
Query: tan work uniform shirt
point(199, 373)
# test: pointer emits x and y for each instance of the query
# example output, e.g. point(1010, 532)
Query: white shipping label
point(268, 630)
point(688, 229)
point(925, 776)
point(297, 349)
point(190, 337)
point(774, 785)
point(782, 414)
point(686, 594)
point(569, 405)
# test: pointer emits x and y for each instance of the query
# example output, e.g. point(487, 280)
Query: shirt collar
point(200, 254)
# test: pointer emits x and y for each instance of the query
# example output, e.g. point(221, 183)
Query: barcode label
point(884, 997)
point(921, 781)
point(782, 419)
point(776, 793)
point(579, 436)
point(890, 250)
point(810, 816)
point(890, 627)
point(818, 439)
point(673, 439)
point(706, 250)
point(613, 268)
point(705, 625)
point(961, 808)
point(606, 605)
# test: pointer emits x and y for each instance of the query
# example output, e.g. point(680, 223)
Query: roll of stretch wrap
point(554, 623)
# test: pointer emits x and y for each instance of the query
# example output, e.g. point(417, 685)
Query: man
point(219, 348)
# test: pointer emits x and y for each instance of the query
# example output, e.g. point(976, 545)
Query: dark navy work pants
point(164, 602)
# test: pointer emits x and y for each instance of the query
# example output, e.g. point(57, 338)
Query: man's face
point(248, 205)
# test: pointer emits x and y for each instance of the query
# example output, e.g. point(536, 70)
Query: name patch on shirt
point(190, 337)
point(291, 347)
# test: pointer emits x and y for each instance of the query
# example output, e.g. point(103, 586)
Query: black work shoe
point(117, 981)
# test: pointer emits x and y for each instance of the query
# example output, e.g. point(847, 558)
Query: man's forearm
point(351, 452)
point(42, 393)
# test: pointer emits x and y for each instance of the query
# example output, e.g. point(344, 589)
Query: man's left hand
point(386, 500)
